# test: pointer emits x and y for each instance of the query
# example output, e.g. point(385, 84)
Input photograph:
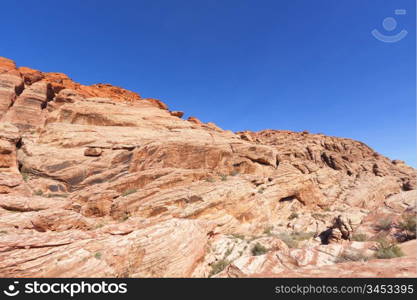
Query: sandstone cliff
point(98, 181)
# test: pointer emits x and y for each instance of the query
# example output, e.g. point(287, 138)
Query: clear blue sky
point(243, 64)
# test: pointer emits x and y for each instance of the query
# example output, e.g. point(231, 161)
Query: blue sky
point(243, 64)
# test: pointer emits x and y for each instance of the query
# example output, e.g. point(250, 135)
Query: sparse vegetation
point(125, 216)
point(228, 252)
point(58, 195)
point(258, 249)
point(234, 173)
point(238, 236)
point(210, 179)
point(261, 190)
point(408, 225)
point(347, 256)
point(99, 225)
point(384, 224)
point(359, 237)
point(292, 240)
point(380, 236)
point(25, 176)
point(294, 215)
point(129, 192)
point(97, 255)
point(38, 193)
point(386, 249)
point(318, 215)
point(301, 236)
point(288, 240)
point(268, 230)
point(218, 266)
point(223, 177)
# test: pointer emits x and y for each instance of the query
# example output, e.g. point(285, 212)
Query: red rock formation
point(112, 184)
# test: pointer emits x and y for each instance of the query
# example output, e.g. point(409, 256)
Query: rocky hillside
point(98, 181)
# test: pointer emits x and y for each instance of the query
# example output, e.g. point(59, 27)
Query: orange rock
point(178, 114)
point(194, 120)
point(112, 184)
point(93, 152)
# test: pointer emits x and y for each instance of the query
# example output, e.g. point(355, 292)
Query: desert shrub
point(25, 176)
point(268, 230)
point(38, 193)
point(384, 224)
point(359, 237)
point(234, 173)
point(223, 177)
point(288, 240)
point(408, 224)
point(318, 215)
point(294, 215)
point(380, 236)
point(301, 236)
point(238, 236)
point(125, 216)
point(347, 256)
point(210, 179)
point(386, 249)
point(128, 192)
point(228, 252)
point(99, 225)
point(97, 255)
point(261, 190)
point(58, 195)
point(258, 249)
point(218, 266)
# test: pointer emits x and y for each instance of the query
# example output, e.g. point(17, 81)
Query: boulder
point(93, 152)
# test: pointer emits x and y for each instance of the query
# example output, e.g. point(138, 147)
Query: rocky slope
point(98, 181)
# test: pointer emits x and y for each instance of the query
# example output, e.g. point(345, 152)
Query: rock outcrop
point(341, 229)
point(98, 181)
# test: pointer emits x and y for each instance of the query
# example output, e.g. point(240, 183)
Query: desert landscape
point(96, 181)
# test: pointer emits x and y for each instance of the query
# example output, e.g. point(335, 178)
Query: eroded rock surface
point(98, 181)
